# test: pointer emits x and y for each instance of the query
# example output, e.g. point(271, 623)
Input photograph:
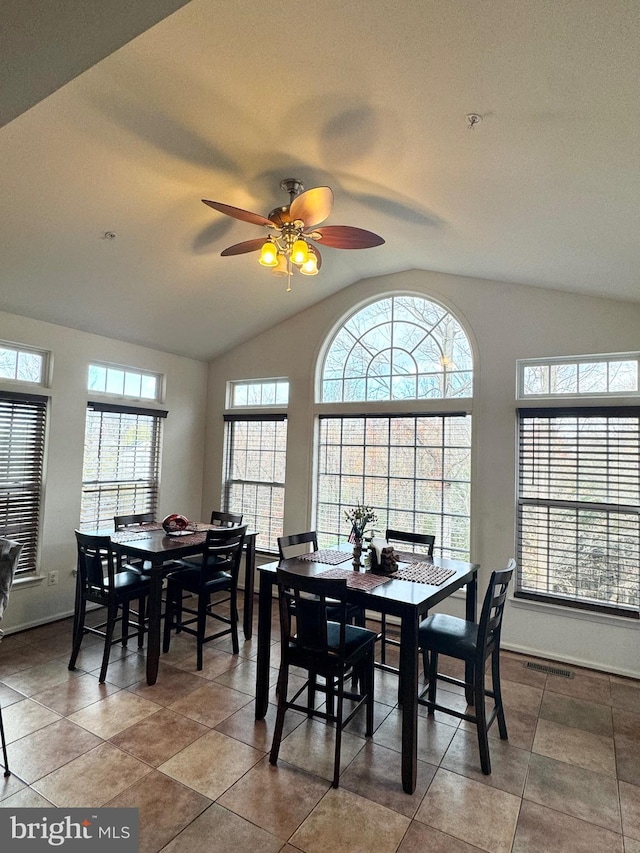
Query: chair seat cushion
point(190, 579)
point(356, 638)
point(130, 580)
point(448, 635)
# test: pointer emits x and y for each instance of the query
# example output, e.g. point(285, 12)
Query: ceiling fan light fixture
point(310, 266)
point(269, 254)
point(282, 268)
point(299, 252)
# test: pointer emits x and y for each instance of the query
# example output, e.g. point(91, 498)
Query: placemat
point(424, 573)
point(326, 555)
point(408, 556)
point(355, 580)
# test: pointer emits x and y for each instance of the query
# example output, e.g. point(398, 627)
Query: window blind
point(578, 528)
point(121, 463)
point(22, 439)
point(256, 456)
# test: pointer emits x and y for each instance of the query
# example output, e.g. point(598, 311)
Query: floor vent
point(550, 670)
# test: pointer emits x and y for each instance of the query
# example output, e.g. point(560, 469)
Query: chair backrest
point(286, 543)
point(225, 519)
point(122, 521)
point(95, 556)
point(307, 598)
point(490, 625)
point(9, 556)
point(424, 539)
point(223, 549)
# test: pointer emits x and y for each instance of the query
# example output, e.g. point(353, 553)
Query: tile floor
point(189, 755)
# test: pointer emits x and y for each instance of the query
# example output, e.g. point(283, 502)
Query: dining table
point(418, 584)
point(160, 550)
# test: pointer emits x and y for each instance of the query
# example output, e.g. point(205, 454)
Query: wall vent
point(550, 670)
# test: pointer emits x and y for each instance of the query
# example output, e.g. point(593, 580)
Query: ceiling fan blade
point(238, 213)
point(241, 248)
point(346, 237)
point(312, 206)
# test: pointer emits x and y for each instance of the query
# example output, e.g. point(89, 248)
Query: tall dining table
point(407, 599)
point(150, 543)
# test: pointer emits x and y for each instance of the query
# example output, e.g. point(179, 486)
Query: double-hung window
point(121, 462)
point(578, 522)
point(22, 442)
point(256, 456)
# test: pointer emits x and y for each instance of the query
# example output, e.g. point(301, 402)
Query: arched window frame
point(453, 414)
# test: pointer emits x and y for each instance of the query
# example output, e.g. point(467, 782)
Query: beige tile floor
point(189, 755)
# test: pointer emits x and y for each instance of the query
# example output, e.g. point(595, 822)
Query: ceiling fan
point(294, 232)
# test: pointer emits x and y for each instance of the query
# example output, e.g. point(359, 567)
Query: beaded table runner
point(326, 555)
point(424, 573)
point(355, 580)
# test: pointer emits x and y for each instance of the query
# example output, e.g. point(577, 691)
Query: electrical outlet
point(52, 579)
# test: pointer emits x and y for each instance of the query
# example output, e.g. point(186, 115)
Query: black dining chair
point(121, 522)
point(9, 556)
point(219, 518)
point(102, 579)
point(327, 647)
point(217, 573)
point(425, 541)
point(288, 546)
point(474, 643)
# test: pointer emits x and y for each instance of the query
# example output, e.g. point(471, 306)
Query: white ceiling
point(223, 100)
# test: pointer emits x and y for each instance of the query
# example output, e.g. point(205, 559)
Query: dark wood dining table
point(150, 543)
point(408, 600)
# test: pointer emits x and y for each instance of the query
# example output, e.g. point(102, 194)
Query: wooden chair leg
point(234, 622)
point(368, 683)
point(481, 718)
point(112, 613)
point(141, 611)
point(125, 622)
point(495, 680)
point(339, 713)
point(383, 638)
point(433, 679)
point(201, 627)
point(78, 632)
point(283, 686)
point(7, 772)
point(168, 620)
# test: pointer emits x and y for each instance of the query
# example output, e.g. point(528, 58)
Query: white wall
point(505, 322)
point(181, 462)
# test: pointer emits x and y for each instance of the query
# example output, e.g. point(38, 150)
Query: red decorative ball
point(174, 522)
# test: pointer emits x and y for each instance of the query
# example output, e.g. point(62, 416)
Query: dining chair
point(121, 522)
point(9, 556)
point(426, 542)
point(473, 643)
point(289, 546)
point(218, 573)
point(219, 518)
point(328, 647)
point(102, 579)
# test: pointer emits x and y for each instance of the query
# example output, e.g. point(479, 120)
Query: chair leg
point(383, 638)
point(283, 686)
point(495, 677)
point(202, 627)
point(481, 718)
point(311, 692)
point(233, 609)
point(339, 713)
point(368, 684)
point(78, 632)
point(141, 610)
point(125, 622)
point(7, 772)
point(168, 620)
point(112, 613)
point(433, 679)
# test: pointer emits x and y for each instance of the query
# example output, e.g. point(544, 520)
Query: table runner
point(327, 555)
point(424, 573)
point(355, 580)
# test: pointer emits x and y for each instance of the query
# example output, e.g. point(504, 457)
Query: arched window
point(411, 465)
point(398, 348)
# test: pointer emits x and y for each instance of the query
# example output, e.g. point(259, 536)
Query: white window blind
point(579, 507)
point(256, 456)
point(121, 463)
point(22, 438)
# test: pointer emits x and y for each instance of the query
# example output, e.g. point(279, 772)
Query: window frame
point(101, 521)
point(606, 359)
point(45, 365)
point(250, 515)
point(131, 371)
point(607, 510)
point(36, 408)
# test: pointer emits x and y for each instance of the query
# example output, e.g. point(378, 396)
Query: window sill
point(591, 616)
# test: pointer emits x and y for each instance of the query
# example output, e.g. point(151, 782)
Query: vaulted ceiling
point(108, 127)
